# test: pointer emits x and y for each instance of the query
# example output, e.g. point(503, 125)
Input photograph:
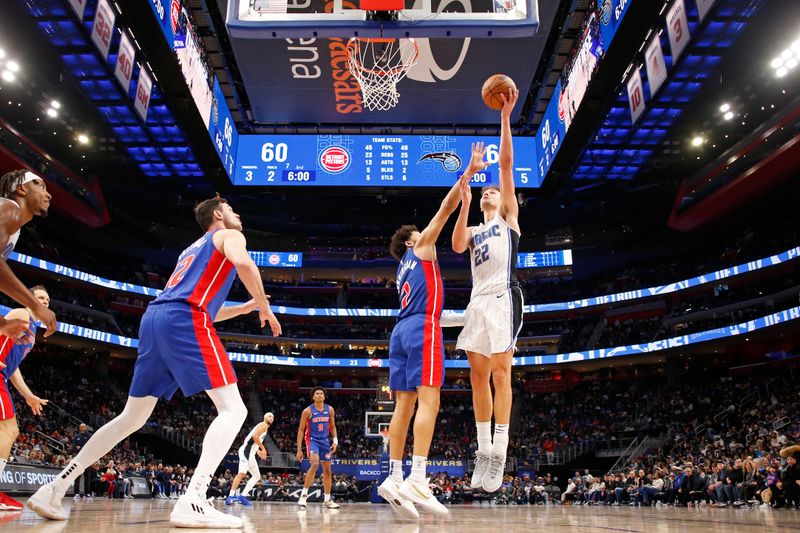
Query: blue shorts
point(416, 354)
point(323, 449)
point(179, 347)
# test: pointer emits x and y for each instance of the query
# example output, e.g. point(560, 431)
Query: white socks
point(135, 414)
point(327, 497)
point(396, 470)
point(500, 445)
point(3, 465)
point(418, 464)
point(484, 436)
point(251, 484)
point(304, 493)
point(219, 437)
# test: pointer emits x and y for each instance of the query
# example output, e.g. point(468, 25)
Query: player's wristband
point(336, 440)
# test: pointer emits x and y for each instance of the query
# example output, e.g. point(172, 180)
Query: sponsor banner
point(635, 95)
point(126, 56)
point(704, 7)
point(79, 7)
point(655, 65)
point(678, 29)
point(719, 275)
point(144, 90)
point(19, 478)
point(370, 469)
point(103, 27)
point(611, 14)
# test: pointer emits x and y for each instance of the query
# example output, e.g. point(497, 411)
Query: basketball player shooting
point(494, 315)
point(179, 347)
point(23, 195)
point(316, 423)
point(253, 446)
point(416, 352)
point(12, 353)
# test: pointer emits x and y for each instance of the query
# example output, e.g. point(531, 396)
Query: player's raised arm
point(301, 433)
point(234, 246)
point(509, 207)
point(424, 247)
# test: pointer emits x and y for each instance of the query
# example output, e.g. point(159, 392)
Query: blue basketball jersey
point(319, 425)
point(419, 286)
point(202, 277)
point(12, 354)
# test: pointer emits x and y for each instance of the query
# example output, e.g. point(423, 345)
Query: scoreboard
point(374, 160)
point(277, 259)
point(544, 259)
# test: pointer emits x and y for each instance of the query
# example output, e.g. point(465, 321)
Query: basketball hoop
point(385, 437)
point(377, 65)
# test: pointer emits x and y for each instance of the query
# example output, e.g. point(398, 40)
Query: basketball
point(493, 88)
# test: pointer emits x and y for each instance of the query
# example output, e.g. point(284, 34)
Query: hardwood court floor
point(144, 516)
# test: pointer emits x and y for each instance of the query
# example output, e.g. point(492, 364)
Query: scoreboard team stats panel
point(374, 160)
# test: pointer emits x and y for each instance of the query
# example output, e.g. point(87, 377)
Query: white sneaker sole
point(181, 520)
point(431, 504)
point(45, 511)
point(391, 495)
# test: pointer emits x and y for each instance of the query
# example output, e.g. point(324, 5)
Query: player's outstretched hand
point(466, 190)
point(299, 456)
point(476, 162)
point(14, 329)
point(266, 315)
point(509, 101)
point(36, 404)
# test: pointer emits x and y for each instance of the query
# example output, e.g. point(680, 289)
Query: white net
point(378, 64)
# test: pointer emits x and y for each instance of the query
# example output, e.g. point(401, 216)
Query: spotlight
point(786, 54)
point(52, 113)
point(791, 63)
point(83, 138)
point(776, 63)
point(2, 53)
point(781, 72)
point(13, 66)
point(697, 141)
point(8, 75)
point(725, 108)
point(728, 115)
point(795, 47)
point(55, 104)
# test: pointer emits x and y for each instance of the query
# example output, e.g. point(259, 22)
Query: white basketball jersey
point(248, 440)
point(494, 256)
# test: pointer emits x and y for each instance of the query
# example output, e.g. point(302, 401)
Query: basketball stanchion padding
point(382, 5)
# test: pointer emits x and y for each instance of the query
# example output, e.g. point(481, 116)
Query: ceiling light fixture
point(697, 141)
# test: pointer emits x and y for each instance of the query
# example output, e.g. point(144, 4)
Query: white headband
point(26, 178)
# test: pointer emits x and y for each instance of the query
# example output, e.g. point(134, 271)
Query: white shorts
point(248, 464)
point(492, 322)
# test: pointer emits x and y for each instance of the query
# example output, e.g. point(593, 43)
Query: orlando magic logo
point(449, 160)
point(605, 12)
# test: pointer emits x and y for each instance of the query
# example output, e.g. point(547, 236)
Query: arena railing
point(659, 290)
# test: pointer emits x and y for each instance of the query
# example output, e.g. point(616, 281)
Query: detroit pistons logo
point(334, 159)
point(175, 13)
point(274, 260)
